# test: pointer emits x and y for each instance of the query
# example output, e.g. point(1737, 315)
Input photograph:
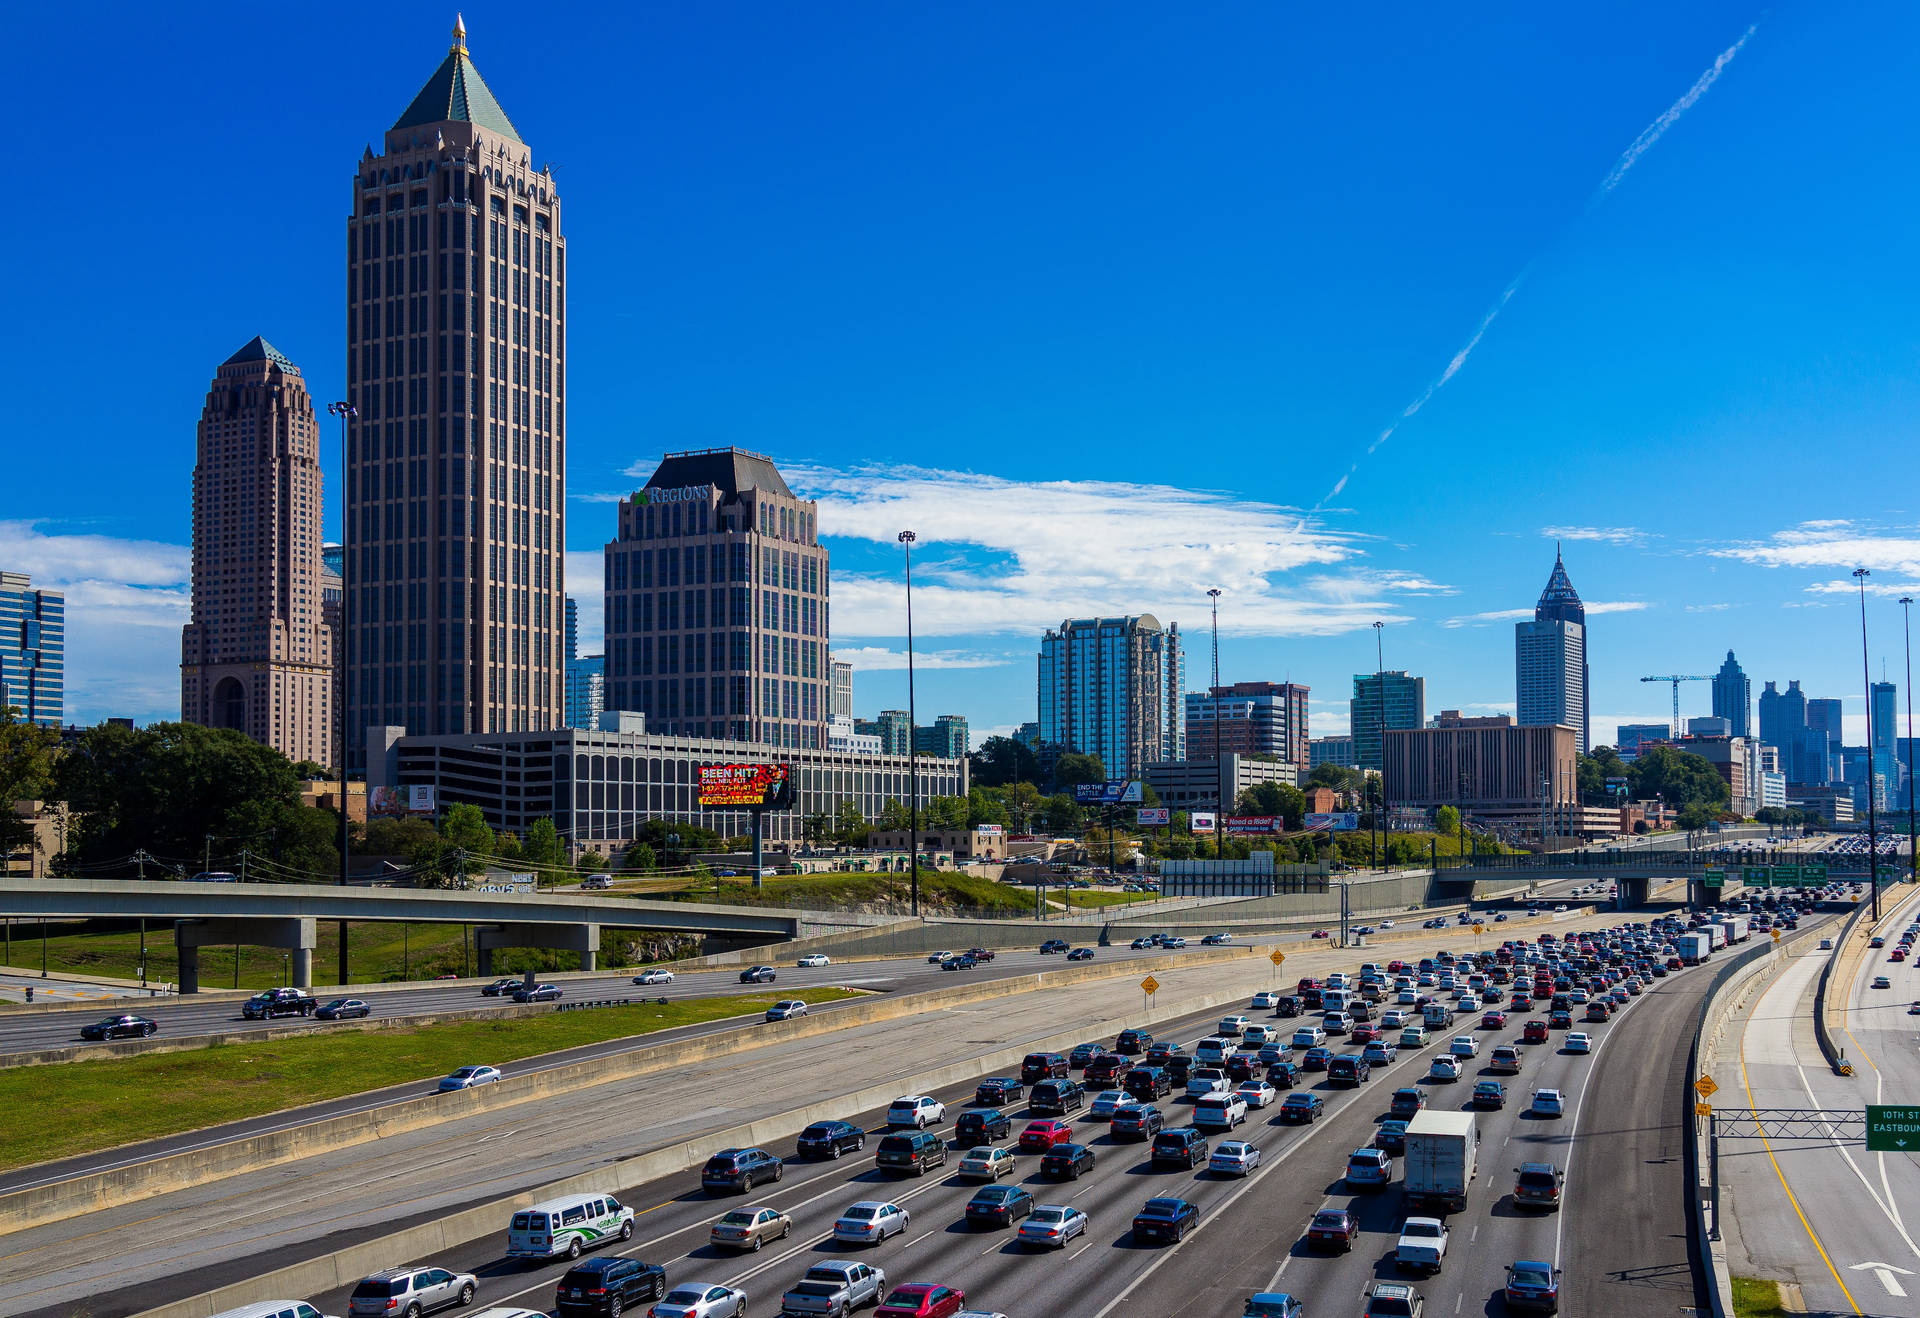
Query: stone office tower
point(456, 362)
point(258, 655)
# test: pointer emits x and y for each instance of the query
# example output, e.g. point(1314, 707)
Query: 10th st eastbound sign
point(1893, 1129)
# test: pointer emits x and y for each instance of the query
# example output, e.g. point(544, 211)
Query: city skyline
point(1071, 505)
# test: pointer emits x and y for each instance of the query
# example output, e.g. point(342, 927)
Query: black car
point(1133, 1041)
point(120, 1027)
point(1082, 1054)
point(830, 1139)
point(977, 1126)
point(1289, 1005)
point(757, 975)
point(1136, 1122)
point(1080, 954)
point(1179, 1067)
point(538, 993)
point(1041, 1066)
point(1067, 1161)
point(741, 1169)
point(607, 1285)
point(1165, 1219)
point(998, 1205)
point(1301, 1108)
point(500, 986)
point(343, 1009)
point(1283, 1074)
point(997, 1091)
point(1053, 945)
point(1182, 1146)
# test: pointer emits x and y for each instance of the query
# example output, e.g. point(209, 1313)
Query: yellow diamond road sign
point(1150, 984)
point(1479, 929)
point(1705, 1087)
point(1776, 935)
point(1277, 957)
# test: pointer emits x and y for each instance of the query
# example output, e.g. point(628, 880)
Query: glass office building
point(33, 650)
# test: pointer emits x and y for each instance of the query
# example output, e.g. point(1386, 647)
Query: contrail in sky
point(1628, 158)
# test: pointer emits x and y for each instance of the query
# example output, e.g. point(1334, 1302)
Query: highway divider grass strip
point(107, 1103)
point(1756, 1297)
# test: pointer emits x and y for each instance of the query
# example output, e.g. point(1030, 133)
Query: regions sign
point(1202, 821)
point(1892, 1129)
point(1242, 825)
point(1332, 821)
point(680, 494)
point(746, 786)
point(1149, 815)
point(398, 802)
point(1114, 791)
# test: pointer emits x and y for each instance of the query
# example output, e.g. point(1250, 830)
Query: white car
point(817, 959)
point(1464, 1045)
point(935, 958)
point(1203, 1080)
point(701, 1299)
point(1233, 1158)
point(1266, 1001)
point(1309, 1036)
point(1257, 1093)
point(1578, 1041)
point(1255, 1035)
point(1232, 1025)
point(1422, 1244)
point(786, 1010)
point(469, 1076)
point(986, 1164)
point(654, 977)
point(1444, 1068)
point(1548, 1103)
point(1392, 1019)
point(870, 1220)
point(916, 1110)
point(1386, 924)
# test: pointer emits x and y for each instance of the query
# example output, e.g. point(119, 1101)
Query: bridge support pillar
point(293, 934)
point(1631, 893)
point(583, 939)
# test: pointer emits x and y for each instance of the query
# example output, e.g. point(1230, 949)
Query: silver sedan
point(1052, 1225)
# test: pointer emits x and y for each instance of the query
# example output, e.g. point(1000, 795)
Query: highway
point(1813, 1210)
point(130, 1258)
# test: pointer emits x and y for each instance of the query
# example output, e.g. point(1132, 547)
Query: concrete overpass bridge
point(1634, 871)
point(286, 915)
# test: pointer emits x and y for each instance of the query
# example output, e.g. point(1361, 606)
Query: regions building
point(1550, 658)
point(1383, 702)
point(258, 655)
point(716, 604)
point(1112, 687)
point(1249, 718)
point(1733, 698)
point(33, 650)
point(1498, 773)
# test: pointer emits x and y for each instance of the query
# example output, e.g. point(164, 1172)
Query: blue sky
point(1103, 301)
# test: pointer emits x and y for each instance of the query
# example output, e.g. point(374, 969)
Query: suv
point(410, 1292)
point(977, 1126)
point(1537, 1185)
point(741, 1169)
point(913, 1152)
point(607, 1285)
point(1056, 1098)
point(1182, 1146)
point(1043, 1066)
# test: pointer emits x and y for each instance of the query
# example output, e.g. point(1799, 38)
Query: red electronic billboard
point(746, 786)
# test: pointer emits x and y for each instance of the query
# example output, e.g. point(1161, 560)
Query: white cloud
point(586, 577)
point(1670, 116)
point(1707, 608)
point(1514, 615)
point(1834, 543)
point(876, 658)
point(1611, 535)
point(61, 559)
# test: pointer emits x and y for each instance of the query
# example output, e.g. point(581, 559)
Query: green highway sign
point(1786, 876)
point(1893, 1129)
point(1813, 874)
point(1754, 876)
point(1714, 879)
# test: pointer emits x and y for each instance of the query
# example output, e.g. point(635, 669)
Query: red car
point(1396, 967)
point(1333, 1228)
point(1535, 1031)
point(1039, 1136)
point(1364, 1034)
point(1899, 954)
point(922, 1299)
point(1321, 933)
point(1493, 1020)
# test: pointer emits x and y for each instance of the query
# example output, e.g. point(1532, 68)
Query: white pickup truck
point(835, 1289)
point(1422, 1245)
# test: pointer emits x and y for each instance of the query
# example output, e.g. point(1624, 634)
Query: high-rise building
point(571, 646)
point(1550, 658)
point(840, 702)
point(1383, 702)
point(1337, 751)
point(1523, 777)
point(1249, 718)
point(33, 650)
point(1628, 738)
point(1733, 697)
point(716, 608)
point(893, 728)
point(456, 461)
point(1882, 734)
point(1112, 687)
point(257, 656)
point(1772, 725)
point(947, 738)
point(1823, 715)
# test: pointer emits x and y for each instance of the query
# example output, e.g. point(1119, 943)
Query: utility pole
point(1906, 618)
point(1860, 576)
point(1380, 720)
point(1219, 775)
point(345, 411)
point(906, 539)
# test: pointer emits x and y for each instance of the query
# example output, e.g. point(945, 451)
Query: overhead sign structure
point(1114, 791)
point(1785, 876)
point(1812, 876)
point(1714, 878)
point(1332, 821)
point(746, 786)
point(1149, 815)
point(1754, 876)
point(1892, 1129)
point(1202, 821)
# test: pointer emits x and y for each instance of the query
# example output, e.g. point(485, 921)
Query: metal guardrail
point(610, 1002)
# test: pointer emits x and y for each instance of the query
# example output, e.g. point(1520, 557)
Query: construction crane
point(1676, 679)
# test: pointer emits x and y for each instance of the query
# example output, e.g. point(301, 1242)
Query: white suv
point(916, 1110)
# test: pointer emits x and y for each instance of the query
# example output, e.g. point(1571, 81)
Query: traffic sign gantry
point(1277, 957)
point(1150, 985)
point(1892, 1129)
point(1705, 1087)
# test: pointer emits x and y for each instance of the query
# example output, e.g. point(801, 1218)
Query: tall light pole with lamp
point(1380, 722)
point(906, 539)
point(344, 649)
point(1860, 576)
point(1219, 788)
point(1906, 620)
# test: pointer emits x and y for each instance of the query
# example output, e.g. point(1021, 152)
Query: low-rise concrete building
point(1209, 784)
point(987, 842)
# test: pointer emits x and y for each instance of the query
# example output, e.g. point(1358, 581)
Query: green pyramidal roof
point(258, 349)
point(457, 92)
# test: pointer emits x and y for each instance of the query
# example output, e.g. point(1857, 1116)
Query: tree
point(1447, 820)
point(542, 846)
point(399, 837)
point(1073, 768)
point(467, 841)
point(1337, 776)
point(985, 806)
point(640, 857)
point(944, 812)
point(1003, 760)
point(1680, 778)
point(894, 817)
point(26, 766)
point(817, 826)
point(506, 846)
point(1273, 799)
point(1592, 771)
point(849, 825)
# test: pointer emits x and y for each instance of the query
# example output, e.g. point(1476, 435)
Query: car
point(961, 962)
point(1309, 1036)
point(922, 1299)
point(1053, 945)
point(1231, 1025)
point(1489, 1094)
point(1914, 1009)
point(1349, 1069)
point(607, 1286)
point(1379, 1053)
point(1422, 1245)
point(1051, 1226)
point(701, 1299)
point(1537, 1185)
point(986, 1163)
point(1464, 1046)
point(1826, 945)
point(1257, 1093)
point(1066, 1161)
point(1876, 941)
point(749, 1228)
point(916, 1110)
point(1131, 1043)
point(500, 986)
point(1534, 1031)
point(1391, 1135)
point(1369, 1168)
point(1080, 954)
point(814, 961)
point(410, 1292)
point(1283, 1073)
point(1165, 1218)
point(1233, 1158)
point(1533, 1284)
point(538, 993)
point(1146, 1083)
point(980, 955)
point(1386, 1299)
point(1039, 1136)
point(830, 1139)
point(1273, 1304)
point(470, 1077)
point(1444, 1068)
point(1333, 1228)
point(786, 1010)
point(1141, 1121)
point(1181, 1146)
point(870, 1221)
point(741, 1169)
point(1301, 1108)
point(1051, 1066)
point(835, 1288)
point(1142, 943)
point(1577, 1041)
point(1316, 1059)
point(757, 975)
point(1493, 1020)
point(1548, 1103)
point(1106, 1102)
point(1083, 1055)
point(1266, 1000)
point(1407, 1103)
point(1174, 942)
point(647, 977)
point(1881, 981)
point(1322, 933)
point(977, 1126)
point(996, 1091)
point(998, 1205)
point(125, 1027)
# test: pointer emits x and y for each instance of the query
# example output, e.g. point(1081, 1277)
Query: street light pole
point(1219, 791)
point(906, 539)
point(1860, 576)
point(1380, 721)
point(345, 411)
point(1906, 620)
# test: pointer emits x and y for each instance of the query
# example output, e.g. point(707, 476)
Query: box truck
point(1694, 947)
point(1441, 1159)
point(1738, 927)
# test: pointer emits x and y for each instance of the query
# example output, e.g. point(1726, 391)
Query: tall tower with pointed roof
point(258, 656)
point(456, 365)
point(1550, 658)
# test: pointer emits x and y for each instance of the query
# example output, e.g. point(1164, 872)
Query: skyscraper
point(1882, 722)
point(947, 738)
point(1733, 697)
point(1113, 687)
point(1772, 721)
point(258, 655)
point(840, 703)
point(1251, 718)
point(33, 649)
point(716, 611)
point(1550, 658)
point(456, 462)
point(1383, 702)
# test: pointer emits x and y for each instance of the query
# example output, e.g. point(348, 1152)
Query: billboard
point(1201, 821)
point(399, 802)
point(746, 786)
point(1148, 816)
point(1333, 821)
point(1114, 791)
point(1241, 825)
point(989, 830)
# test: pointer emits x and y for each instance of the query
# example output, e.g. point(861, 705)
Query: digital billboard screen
point(1243, 825)
point(1335, 821)
point(746, 786)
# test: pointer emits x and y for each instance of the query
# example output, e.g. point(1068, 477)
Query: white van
point(1213, 1050)
point(273, 1309)
point(1333, 999)
point(567, 1226)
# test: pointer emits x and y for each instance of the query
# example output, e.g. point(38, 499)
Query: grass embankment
point(121, 1100)
point(941, 893)
point(1755, 1297)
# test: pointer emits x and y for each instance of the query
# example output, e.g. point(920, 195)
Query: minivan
point(912, 1152)
point(1056, 1098)
point(567, 1226)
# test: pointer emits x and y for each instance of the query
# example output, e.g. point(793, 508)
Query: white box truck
point(1694, 947)
point(1441, 1159)
point(1737, 927)
point(1716, 935)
